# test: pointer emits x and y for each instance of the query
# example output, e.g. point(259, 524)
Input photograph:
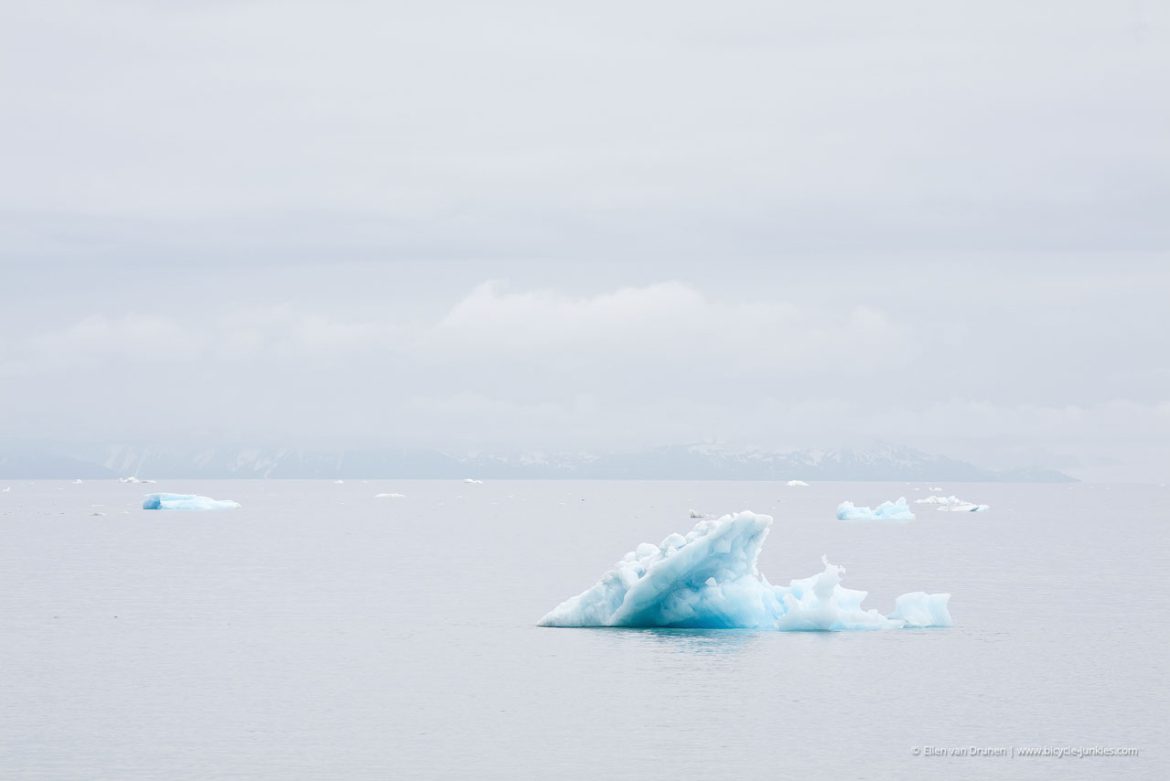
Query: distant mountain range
point(684, 462)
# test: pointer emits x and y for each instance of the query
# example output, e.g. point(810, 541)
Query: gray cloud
point(521, 225)
point(453, 129)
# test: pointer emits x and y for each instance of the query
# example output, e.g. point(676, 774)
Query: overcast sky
point(596, 225)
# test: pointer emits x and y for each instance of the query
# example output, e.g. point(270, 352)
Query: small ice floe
point(389, 496)
point(935, 488)
point(954, 504)
point(938, 500)
point(886, 511)
point(7, 489)
point(77, 482)
point(696, 514)
point(472, 481)
point(133, 479)
point(97, 513)
point(186, 502)
point(965, 507)
point(796, 484)
point(339, 482)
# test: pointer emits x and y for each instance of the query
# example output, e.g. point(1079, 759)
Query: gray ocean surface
point(320, 633)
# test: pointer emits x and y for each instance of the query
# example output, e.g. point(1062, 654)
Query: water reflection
point(715, 642)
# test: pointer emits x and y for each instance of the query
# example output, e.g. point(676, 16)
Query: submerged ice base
point(186, 502)
point(709, 580)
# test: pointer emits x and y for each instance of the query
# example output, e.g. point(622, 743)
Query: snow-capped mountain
point(683, 462)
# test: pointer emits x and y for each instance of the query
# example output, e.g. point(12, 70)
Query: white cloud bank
point(540, 368)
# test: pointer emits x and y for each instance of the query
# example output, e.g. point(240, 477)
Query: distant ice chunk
point(339, 482)
point(796, 484)
point(965, 507)
point(709, 579)
point(7, 489)
point(920, 609)
point(473, 481)
point(695, 514)
point(133, 479)
point(886, 511)
point(954, 504)
point(389, 496)
point(186, 502)
point(937, 500)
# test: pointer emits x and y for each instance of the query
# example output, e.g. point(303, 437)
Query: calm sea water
point(320, 633)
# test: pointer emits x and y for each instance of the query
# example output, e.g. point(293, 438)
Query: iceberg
point(796, 484)
point(921, 609)
point(937, 500)
point(133, 479)
point(472, 481)
point(389, 496)
point(965, 507)
point(709, 579)
point(954, 504)
point(186, 502)
point(886, 511)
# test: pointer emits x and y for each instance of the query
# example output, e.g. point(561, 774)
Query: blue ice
point(186, 502)
point(886, 511)
point(709, 579)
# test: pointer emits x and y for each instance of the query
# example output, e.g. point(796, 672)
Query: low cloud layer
point(514, 368)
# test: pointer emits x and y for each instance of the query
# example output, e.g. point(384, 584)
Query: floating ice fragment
point(133, 479)
point(954, 504)
point(697, 514)
point(886, 511)
point(389, 496)
point(709, 579)
point(473, 481)
point(186, 502)
point(921, 609)
point(796, 484)
point(938, 500)
point(965, 507)
point(339, 482)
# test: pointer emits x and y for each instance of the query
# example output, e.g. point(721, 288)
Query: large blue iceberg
point(886, 511)
point(709, 580)
point(186, 502)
